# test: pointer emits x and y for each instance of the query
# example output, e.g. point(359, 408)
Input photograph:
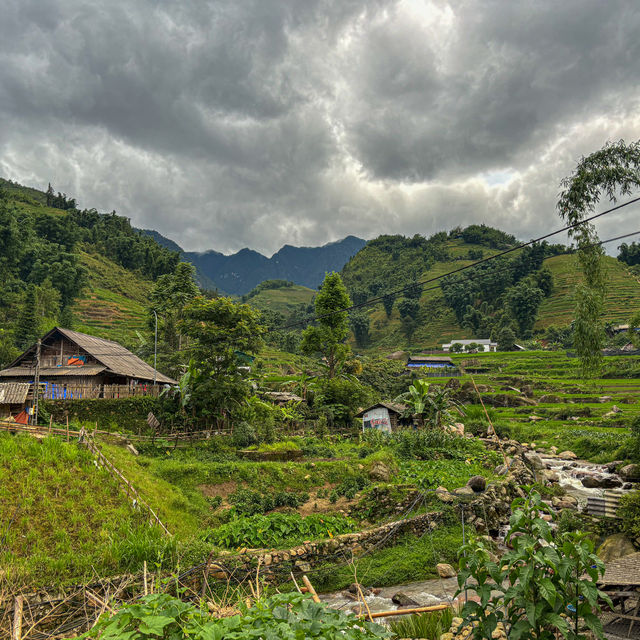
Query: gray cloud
point(258, 123)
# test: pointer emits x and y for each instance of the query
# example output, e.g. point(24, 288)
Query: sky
point(236, 123)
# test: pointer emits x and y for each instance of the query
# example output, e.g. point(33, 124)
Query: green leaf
point(548, 590)
point(155, 624)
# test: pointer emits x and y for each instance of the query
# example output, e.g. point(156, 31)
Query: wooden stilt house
point(77, 365)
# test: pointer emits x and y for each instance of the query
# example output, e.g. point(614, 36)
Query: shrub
point(244, 435)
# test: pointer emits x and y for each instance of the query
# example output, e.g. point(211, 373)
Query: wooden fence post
point(17, 618)
point(50, 423)
point(67, 427)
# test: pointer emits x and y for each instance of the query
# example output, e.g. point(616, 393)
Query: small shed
point(13, 398)
point(383, 416)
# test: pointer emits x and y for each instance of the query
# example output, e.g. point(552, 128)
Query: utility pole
point(36, 390)
point(155, 349)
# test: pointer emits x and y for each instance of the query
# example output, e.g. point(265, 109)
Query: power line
point(413, 285)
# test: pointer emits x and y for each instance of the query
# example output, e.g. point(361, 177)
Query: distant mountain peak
point(240, 272)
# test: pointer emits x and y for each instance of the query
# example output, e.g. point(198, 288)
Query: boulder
point(534, 460)
point(501, 470)
point(604, 399)
point(611, 482)
point(630, 472)
point(614, 547)
point(464, 491)
point(403, 600)
point(446, 570)
point(568, 455)
point(592, 482)
point(477, 483)
point(379, 472)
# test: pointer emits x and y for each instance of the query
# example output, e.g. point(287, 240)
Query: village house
point(75, 365)
point(16, 400)
point(484, 344)
point(383, 416)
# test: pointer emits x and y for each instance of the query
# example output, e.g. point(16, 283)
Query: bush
point(629, 511)
point(243, 435)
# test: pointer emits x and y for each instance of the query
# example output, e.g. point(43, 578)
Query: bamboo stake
point(403, 612)
point(50, 423)
point(145, 577)
point(312, 591)
point(17, 618)
point(67, 427)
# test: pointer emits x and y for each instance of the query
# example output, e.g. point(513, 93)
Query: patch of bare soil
point(214, 490)
point(323, 505)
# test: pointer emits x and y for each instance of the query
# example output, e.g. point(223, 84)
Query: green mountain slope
point(623, 294)
point(113, 303)
point(284, 300)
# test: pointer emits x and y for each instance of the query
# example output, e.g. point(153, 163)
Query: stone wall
point(279, 563)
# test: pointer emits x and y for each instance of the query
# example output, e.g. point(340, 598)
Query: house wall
point(377, 418)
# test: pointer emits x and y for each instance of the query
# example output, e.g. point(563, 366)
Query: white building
point(484, 344)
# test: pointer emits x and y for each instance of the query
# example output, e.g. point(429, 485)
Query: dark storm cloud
point(230, 124)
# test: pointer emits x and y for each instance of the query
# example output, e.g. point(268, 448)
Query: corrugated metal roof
point(13, 392)
point(396, 408)
point(430, 359)
point(87, 370)
point(112, 355)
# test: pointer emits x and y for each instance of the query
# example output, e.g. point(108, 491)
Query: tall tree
point(27, 331)
point(409, 310)
point(328, 337)
point(217, 330)
point(615, 171)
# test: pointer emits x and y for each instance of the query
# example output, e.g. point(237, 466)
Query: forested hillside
point(73, 267)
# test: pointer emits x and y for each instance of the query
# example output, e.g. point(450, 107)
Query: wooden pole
point(17, 618)
point(67, 427)
point(50, 423)
point(146, 591)
point(36, 385)
point(312, 591)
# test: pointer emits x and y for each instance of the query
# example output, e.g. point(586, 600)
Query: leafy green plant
point(248, 502)
point(285, 616)
point(277, 529)
point(543, 587)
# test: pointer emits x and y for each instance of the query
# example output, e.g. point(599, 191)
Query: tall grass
point(429, 625)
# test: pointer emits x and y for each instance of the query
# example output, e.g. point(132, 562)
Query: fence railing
point(60, 391)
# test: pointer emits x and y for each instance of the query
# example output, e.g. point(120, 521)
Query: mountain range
point(240, 272)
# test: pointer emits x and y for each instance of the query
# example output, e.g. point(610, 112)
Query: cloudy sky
point(235, 123)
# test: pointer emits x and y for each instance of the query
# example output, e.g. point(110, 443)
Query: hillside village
point(163, 439)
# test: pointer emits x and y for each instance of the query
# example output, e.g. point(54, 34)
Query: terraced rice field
point(623, 295)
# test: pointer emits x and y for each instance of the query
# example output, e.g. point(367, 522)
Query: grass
point(429, 625)
point(61, 518)
point(409, 560)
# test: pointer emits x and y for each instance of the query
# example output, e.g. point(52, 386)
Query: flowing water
point(425, 593)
